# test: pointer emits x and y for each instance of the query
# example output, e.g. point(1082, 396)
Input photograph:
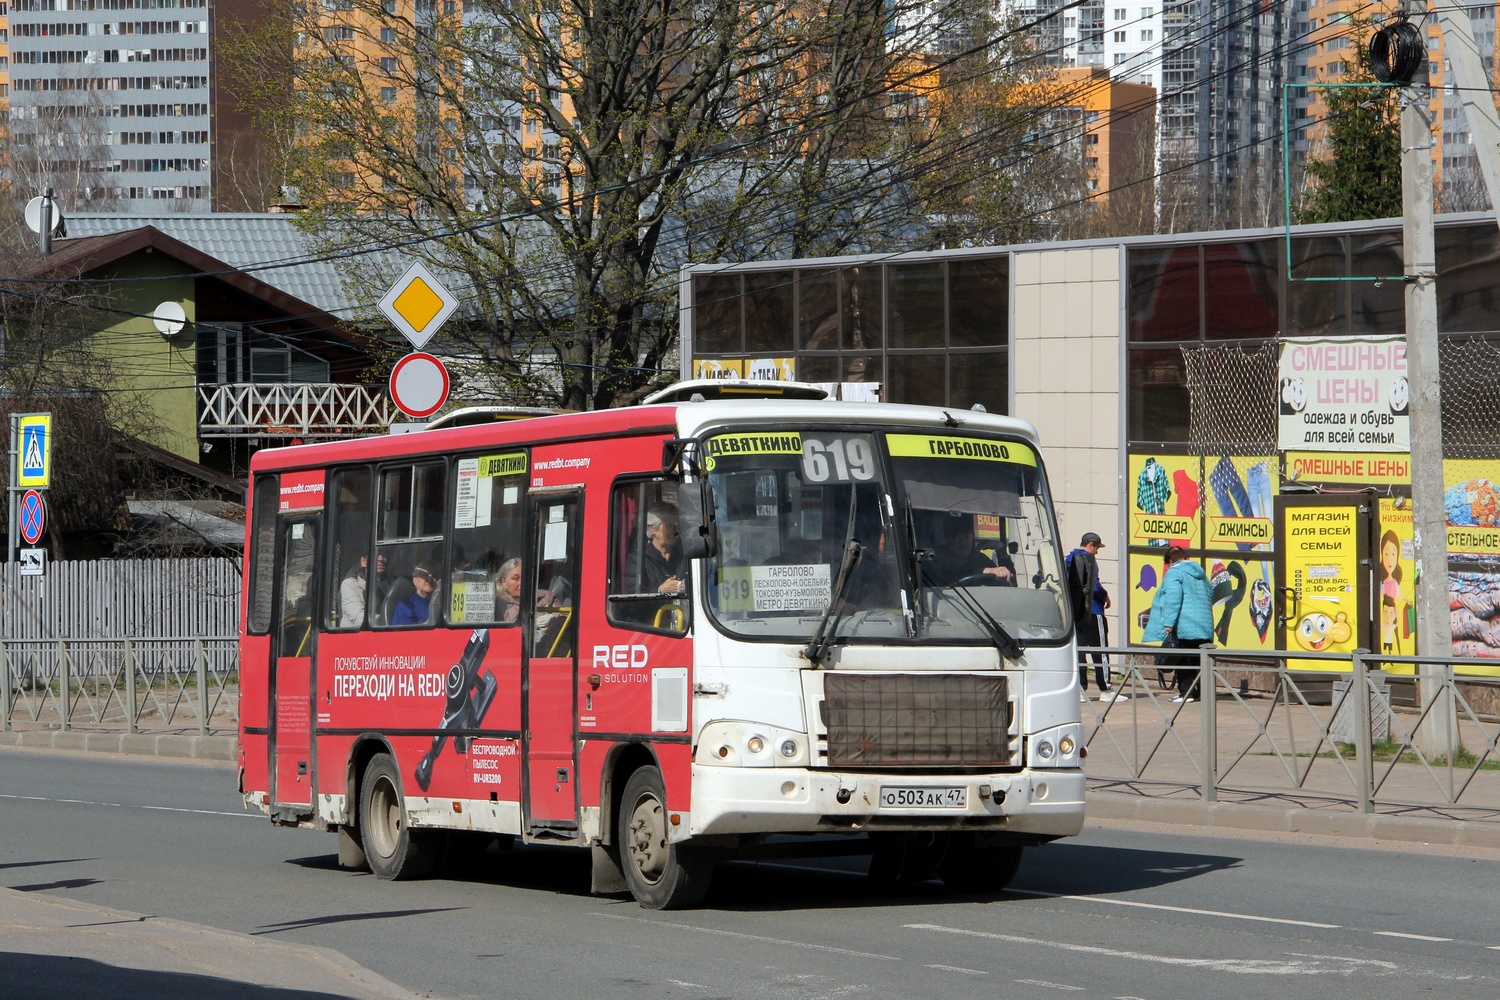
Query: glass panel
point(1317, 307)
point(716, 313)
point(409, 545)
point(1158, 396)
point(861, 307)
point(489, 533)
point(646, 559)
point(818, 310)
point(768, 312)
point(298, 561)
point(556, 555)
point(915, 311)
point(1242, 279)
point(1468, 284)
point(979, 303)
point(817, 369)
point(348, 579)
point(917, 379)
point(1379, 309)
point(262, 556)
point(865, 368)
point(1163, 295)
point(980, 378)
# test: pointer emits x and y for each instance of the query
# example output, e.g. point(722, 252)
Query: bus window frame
point(262, 567)
point(436, 615)
point(523, 539)
point(684, 601)
point(330, 531)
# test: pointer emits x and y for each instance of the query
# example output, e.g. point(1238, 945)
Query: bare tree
point(1464, 188)
point(59, 139)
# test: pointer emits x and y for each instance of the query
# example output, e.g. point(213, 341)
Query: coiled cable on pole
point(1397, 53)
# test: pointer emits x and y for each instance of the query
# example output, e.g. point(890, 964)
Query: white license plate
point(906, 797)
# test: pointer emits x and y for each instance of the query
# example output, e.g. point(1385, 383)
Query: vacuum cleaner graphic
point(470, 690)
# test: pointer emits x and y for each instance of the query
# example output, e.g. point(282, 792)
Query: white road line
point(1174, 909)
point(1050, 986)
point(1243, 966)
point(958, 968)
point(122, 805)
point(1493, 947)
point(748, 937)
point(1413, 937)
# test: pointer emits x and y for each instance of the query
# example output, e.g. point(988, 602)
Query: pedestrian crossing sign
point(35, 452)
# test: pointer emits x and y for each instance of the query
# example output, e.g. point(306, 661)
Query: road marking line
point(1243, 966)
point(1175, 909)
point(958, 968)
point(1414, 937)
point(1050, 986)
point(747, 937)
point(122, 805)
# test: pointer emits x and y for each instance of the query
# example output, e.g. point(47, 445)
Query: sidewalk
point(52, 947)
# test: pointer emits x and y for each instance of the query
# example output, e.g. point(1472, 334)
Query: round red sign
point(419, 385)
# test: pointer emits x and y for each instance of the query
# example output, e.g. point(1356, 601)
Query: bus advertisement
point(669, 634)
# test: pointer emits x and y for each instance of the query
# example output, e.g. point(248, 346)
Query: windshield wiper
point(1008, 645)
point(828, 627)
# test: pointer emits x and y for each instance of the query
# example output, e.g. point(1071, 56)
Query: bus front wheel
point(660, 875)
point(393, 850)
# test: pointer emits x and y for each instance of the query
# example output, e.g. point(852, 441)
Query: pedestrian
point(1182, 617)
point(1089, 600)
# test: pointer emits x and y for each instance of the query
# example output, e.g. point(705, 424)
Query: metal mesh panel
point(1232, 399)
point(916, 720)
point(1471, 397)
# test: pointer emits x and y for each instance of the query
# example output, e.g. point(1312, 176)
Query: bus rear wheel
point(660, 875)
point(393, 850)
point(972, 865)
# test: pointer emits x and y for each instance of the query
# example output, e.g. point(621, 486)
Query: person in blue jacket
point(1183, 609)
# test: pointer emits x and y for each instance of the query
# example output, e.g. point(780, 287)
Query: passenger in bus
point(352, 590)
point(381, 583)
point(957, 558)
point(414, 609)
point(508, 592)
point(657, 565)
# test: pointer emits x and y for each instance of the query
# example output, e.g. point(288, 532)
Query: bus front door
point(551, 664)
point(293, 637)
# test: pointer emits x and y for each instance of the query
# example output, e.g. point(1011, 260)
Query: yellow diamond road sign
point(418, 304)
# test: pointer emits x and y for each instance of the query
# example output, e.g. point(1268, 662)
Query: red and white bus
point(666, 633)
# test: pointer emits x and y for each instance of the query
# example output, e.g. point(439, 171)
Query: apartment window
point(449, 6)
point(1147, 35)
point(388, 64)
point(1119, 13)
point(388, 95)
point(1120, 57)
point(1092, 139)
point(1120, 36)
point(1148, 12)
point(388, 36)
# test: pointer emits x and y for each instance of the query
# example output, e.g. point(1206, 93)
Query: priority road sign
point(418, 304)
point(33, 517)
point(35, 458)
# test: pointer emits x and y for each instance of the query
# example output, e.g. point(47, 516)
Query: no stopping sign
point(419, 384)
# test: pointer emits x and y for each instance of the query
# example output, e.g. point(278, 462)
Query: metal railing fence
point(137, 685)
point(1308, 736)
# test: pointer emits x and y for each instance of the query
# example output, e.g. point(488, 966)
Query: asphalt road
point(1119, 912)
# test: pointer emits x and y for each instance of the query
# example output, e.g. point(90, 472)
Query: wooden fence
point(121, 599)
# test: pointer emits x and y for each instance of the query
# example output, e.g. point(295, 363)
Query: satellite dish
point(34, 215)
point(169, 318)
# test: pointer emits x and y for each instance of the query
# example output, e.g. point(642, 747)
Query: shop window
point(768, 312)
point(982, 378)
point(1468, 284)
point(818, 310)
point(861, 297)
point(979, 303)
point(914, 315)
point(1317, 307)
point(1159, 410)
point(1163, 297)
point(1240, 280)
point(917, 378)
point(716, 314)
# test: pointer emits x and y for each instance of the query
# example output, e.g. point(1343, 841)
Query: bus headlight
point(1056, 747)
point(750, 744)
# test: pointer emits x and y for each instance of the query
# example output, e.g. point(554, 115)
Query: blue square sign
point(35, 458)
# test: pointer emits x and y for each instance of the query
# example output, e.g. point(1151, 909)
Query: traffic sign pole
point(30, 469)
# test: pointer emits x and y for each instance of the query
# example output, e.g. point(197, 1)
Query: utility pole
point(1429, 516)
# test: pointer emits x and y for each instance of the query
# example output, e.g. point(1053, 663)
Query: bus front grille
point(916, 720)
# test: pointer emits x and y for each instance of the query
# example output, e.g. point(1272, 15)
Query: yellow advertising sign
point(718, 368)
point(1395, 580)
point(939, 446)
point(1322, 568)
point(1341, 467)
point(1145, 527)
point(1239, 531)
point(511, 464)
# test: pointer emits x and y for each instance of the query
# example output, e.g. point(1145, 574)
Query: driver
point(957, 558)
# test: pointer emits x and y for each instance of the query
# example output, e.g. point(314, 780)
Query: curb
point(179, 745)
point(1263, 819)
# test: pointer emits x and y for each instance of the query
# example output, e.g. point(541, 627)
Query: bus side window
point(346, 593)
point(409, 546)
point(648, 578)
point(488, 527)
point(262, 556)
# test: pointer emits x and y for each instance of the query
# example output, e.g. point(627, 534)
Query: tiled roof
point(247, 240)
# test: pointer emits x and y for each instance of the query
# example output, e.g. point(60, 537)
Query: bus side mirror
point(695, 522)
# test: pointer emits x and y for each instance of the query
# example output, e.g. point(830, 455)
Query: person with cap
point(1182, 617)
point(1089, 601)
point(415, 607)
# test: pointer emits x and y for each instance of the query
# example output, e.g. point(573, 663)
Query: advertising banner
point(1320, 547)
point(1344, 394)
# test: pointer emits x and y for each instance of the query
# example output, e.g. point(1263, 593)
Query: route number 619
point(837, 460)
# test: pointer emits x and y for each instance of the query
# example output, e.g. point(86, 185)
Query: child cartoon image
point(1392, 598)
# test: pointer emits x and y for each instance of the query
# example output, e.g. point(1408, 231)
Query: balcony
point(307, 410)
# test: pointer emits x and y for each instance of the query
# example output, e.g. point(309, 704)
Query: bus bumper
point(730, 800)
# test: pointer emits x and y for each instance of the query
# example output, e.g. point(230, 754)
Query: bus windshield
point(954, 535)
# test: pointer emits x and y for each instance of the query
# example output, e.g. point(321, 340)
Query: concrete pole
point(1429, 517)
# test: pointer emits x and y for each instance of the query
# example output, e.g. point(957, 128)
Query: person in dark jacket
point(1089, 600)
point(415, 608)
point(1184, 610)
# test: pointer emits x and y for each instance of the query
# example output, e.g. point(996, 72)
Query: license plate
point(904, 797)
